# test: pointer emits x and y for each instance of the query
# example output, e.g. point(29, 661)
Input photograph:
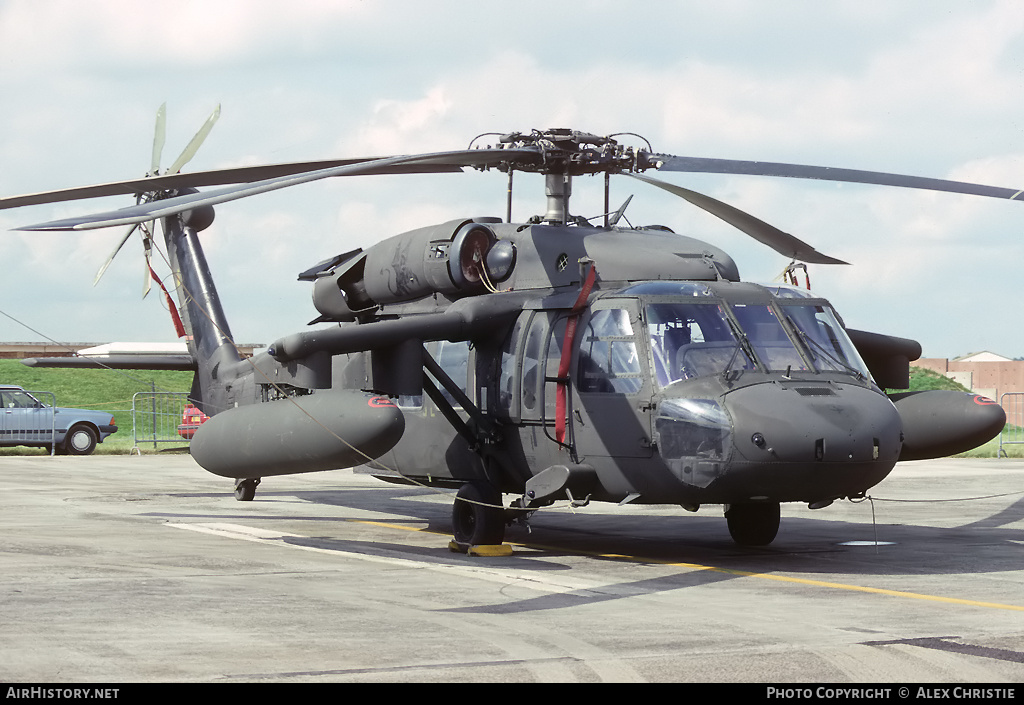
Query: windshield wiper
point(810, 344)
point(742, 343)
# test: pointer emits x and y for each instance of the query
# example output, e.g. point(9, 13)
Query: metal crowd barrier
point(156, 417)
point(1013, 431)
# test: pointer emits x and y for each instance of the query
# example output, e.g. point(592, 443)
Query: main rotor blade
point(197, 141)
point(781, 242)
point(179, 204)
point(159, 135)
point(216, 177)
point(824, 173)
point(113, 254)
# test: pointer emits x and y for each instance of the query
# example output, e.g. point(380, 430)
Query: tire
point(753, 524)
point(80, 440)
point(478, 517)
point(245, 490)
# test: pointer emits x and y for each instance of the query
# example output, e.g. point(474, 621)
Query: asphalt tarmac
point(146, 569)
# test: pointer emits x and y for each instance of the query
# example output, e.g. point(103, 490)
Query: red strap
point(178, 327)
point(567, 344)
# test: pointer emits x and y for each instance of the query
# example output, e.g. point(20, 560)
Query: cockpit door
point(612, 381)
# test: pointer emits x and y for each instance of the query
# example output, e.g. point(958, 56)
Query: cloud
point(126, 35)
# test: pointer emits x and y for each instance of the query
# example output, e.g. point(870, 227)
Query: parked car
point(26, 421)
point(191, 419)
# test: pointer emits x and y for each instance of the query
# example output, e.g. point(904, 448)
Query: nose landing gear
point(753, 523)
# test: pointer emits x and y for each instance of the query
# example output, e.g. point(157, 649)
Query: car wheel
point(81, 440)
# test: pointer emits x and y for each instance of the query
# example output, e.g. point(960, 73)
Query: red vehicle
point(191, 419)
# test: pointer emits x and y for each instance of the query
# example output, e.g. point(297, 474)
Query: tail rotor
point(147, 228)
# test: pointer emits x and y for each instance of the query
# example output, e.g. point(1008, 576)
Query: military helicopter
point(557, 359)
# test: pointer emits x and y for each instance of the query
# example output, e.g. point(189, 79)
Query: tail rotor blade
point(159, 135)
point(197, 141)
point(113, 254)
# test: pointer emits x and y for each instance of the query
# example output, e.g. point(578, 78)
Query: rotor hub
point(571, 153)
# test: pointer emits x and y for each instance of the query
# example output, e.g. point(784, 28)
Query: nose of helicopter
point(781, 441)
point(814, 423)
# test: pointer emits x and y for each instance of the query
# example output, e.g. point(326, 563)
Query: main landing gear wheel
point(478, 517)
point(753, 524)
point(245, 488)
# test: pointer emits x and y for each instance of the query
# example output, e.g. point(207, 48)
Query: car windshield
point(693, 340)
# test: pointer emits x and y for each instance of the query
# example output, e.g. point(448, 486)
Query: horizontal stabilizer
point(183, 363)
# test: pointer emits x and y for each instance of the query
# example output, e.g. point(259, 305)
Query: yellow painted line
point(853, 588)
point(739, 573)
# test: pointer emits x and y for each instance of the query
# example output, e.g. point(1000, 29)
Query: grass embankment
point(103, 390)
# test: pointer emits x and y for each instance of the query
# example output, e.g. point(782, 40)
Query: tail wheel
point(753, 524)
point(245, 489)
point(478, 517)
point(81, 440)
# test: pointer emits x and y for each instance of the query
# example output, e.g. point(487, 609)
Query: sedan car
point(27, 421)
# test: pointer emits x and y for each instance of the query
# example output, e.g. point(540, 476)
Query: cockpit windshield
point(827, 343)
point(700, 337)
point(693, 340)
point(766, 334)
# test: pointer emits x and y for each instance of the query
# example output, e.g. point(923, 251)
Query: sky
point(923, 87)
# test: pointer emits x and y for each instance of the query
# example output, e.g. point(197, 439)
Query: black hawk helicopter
point(551, 360)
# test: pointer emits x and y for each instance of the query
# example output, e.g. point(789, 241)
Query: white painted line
point(505, 577)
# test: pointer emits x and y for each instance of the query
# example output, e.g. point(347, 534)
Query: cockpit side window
point(608, 360)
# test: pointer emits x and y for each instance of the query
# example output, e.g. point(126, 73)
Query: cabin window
point(505, 400)
point(453, 358)
point(406, 401)
point(553, 361)
point(532, 361)
point(608, 361)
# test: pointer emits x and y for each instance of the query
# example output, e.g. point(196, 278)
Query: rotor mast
point(557, 189)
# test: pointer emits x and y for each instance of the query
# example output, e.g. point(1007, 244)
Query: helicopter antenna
point(611, 219)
